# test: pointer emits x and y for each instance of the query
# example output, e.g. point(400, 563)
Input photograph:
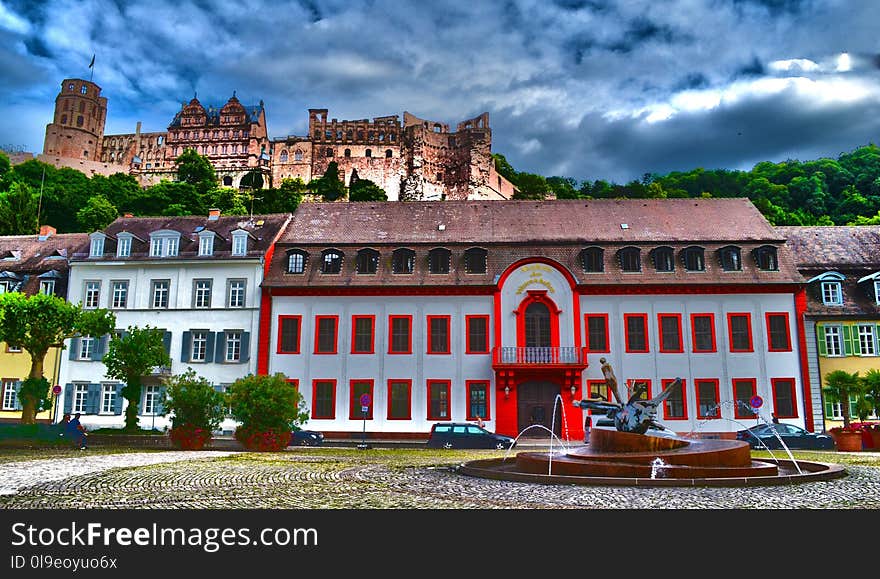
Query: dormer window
point(239, 242)
point(475, 260)
point(331, 261)
point(663, 259)
point(296, 261)
point(630, 259)
point(206, 243)
point(123, 245)
point(96, 249)
point(693, 259)
point(832, 293)
point(438, 260)
point(164, 244)
point(731, 258)
point(765, 257)
point(403, 261)
point(593, 260)
point(367, 261)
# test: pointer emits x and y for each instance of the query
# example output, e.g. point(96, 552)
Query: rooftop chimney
point(213, 214)
point(46, 231)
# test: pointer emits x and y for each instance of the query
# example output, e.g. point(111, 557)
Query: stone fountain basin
point(628, 459)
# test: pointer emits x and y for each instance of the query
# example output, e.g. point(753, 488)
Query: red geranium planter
point(189, 437)
point(263, 441)
point(847, 440)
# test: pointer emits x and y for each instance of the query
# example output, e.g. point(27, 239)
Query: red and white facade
point(510, 322)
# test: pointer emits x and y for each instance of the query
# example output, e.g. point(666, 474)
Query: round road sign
point(756, 402)
point(365, 400)
point(56, 390)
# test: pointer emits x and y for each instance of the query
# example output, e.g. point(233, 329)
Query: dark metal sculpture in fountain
point(635, 415)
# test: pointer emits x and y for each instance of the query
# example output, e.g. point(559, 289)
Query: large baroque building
point(416, 160)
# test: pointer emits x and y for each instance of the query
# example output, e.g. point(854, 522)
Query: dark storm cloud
point(583, 88)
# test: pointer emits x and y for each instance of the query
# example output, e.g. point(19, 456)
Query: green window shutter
point(820, 340)
point(185, 346)
point(857, 345)
point(829, 410)
point(245, 347)
point(847, 340)
point(74, 348)
point(68, 398)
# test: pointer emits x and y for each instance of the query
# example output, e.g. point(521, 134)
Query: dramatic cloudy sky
point(588, 89)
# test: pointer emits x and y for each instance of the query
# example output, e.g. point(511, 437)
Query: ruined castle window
point(663, 259)
point(70, 86)
point(244, 135)
point(296, 261)
point(381, 137)
point(693, 258)
point(630, 259)
point(347, 153)
point(338, 135)
point(160, 140)
point(360, 135)
point(367, 261)
point(438, 260)
point(388, 153)
point(283, 156)
point(439, 177)
point(63, 119)
point(297, 155)
point(79, 121)
point(403, 261)
point(391, 137)
point(328, 134)
point(317, 134)
point(82, 106)
point(83, 90)
point(372, 136)
point(475, 260)
point(236, 133)
point(331, 261)
point(368, 153)
point(227, 181)
point(85, 153)
point(214, 149)
point(174, 151)
point(437, 128)
point(224, 149)
point(593, 259)
point(328, 152)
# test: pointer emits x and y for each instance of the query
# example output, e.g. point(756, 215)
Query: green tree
point(130, 358)
point(329, 186)
point(871, 388)
point(284, 199)
point(193, 401)
point(563, 187)
point(504, 168)
point(840, 385)
point(97, 214)
point(18, 210)
point(366, 190)
point(531, 186)
point(39, 322)
point(196, 170)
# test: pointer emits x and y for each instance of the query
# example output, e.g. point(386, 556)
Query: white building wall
point(381, 366)
point(179, 317)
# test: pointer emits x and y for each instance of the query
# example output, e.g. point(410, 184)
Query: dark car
point(306, 438)
point(795, 437)
point(464, 435)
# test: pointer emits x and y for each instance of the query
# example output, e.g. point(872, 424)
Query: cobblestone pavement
point(318, 479)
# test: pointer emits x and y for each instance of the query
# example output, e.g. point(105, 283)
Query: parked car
point(465, 435)
point(306, 438)
point(795, 437)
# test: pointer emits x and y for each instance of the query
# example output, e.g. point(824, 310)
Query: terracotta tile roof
point(852, 251)
point(262, 228)
point(647, 220)
point(515, 230)
point(23, 258)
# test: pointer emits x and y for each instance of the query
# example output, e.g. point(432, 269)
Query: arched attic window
point(765, 258)
point(367, 261)
point(730, 258)
point(630, 259)
point(828, 287)
point(592, 259)
point(296, 261)
point(403, 261)
point(475, 260)
point(331, 261)
point(663, 258)
point(693, 258)
point(283, 156)
point(438, 260)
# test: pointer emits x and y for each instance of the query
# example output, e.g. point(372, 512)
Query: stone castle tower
point(77, 128)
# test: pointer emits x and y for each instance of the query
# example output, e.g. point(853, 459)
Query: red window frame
point(716, 384)
point(354, 320)
point(467, 336)
point(684, 400)
point(354, 406)
point(738, 411)
point(791, 386)
point(298, 334)
point(468, 385)
point(441, 383)
point(408, 383)
point(663, 348)
point(313, 415)
point(589, 347)
point(391, 319)
point(448, 335)
point(629, 350)
point(630, 383)
point(294, 382)
point(770, 347)
point(335, 334)
point(711, 317)
point(748, 316)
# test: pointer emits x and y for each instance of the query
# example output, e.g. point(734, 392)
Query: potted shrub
point(268, 408)
point(871, 390)
point(197, 410)
point(839, 386)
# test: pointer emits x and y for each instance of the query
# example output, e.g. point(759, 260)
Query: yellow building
point(842, 320)
point(32, 264)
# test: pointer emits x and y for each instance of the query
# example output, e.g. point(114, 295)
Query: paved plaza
point(324, 478)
